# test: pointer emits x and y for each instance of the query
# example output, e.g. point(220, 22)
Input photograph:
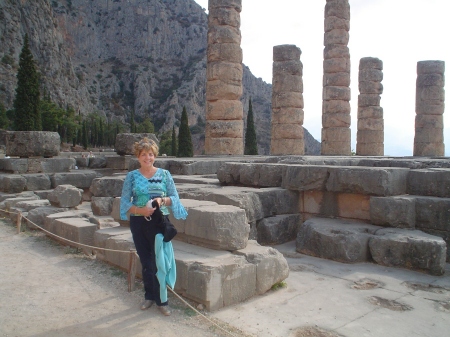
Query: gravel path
point(50, 290)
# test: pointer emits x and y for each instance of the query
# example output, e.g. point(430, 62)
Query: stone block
point(118, 162)
point(369, 149)
point(336, 93)
point(221, 227)
point(336, 135)
point(115, 209)
point(428, 149)
point(368, 100)
point(32, 143)
point(336, 51)
point(224, 146)
point(430, 67)
point(305, 177)
point(220, 90)
point(370, 124)
point(367, 180)
point(65, 196)
point(118, 241)
point(428, 135)
point(433, 213)
point(102, 205)
point(370, 112)
point(430, 94)
point(278, 229)
point(228, 72)
point(295, 146)
point(370, 75)
point(75, 229)
point(50, 220)
point(125, 142)
point(287, 82)
point(332, 120)
point(333, 22)
point(14, 165)
point(287, 115)
point(97, 162)
point(13, 183)
point(223, 35)
point(429, 122)
point(8, 203)
point(370, 136)
point(107, 186)
point(370, 63)
point(29, 205)
point(336, 65)
point(338, 8)
point(80, 178)
point(287, 131)
point(180, 224)
point(410, 249)
point(271, 266)
point(398, 211)
point(336, 36)
point(224, 17)
point(429, 182)
point(292, 67)
point(335, 148)
point(340, 79)
point(37, 181)
point(423, 108)
point(82, 162)
point(370, 87)
point(224, 129)
point(424, 80)
point(287, 100)
point(228, 52)
point(335, 239)
point(51, 165)
point(37, 215)
point(234, 4)
point(224, 110)
point(286, 52)
point(352, 206)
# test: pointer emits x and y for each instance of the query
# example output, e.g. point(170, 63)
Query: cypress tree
point(185, 148)
point(251, 147)
point(84, 135)
point(174, 142)
point(27, 115)
point(4, 121)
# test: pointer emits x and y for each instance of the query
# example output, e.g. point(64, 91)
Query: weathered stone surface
point(260, 175)
point(224, 110)
point(116, 238)
point(224, 17)
point(336, 51)
point(429, 182)
point(292, 67)
point(51, 219)
point(118, 162)
point(433, 213)
point(429, 121)
point(219, 227)
point(370, 74)
point(370, 124)
point(50, 165)
point(32, 143)
point(29, 205)
point(287, 115)
point(369, 100)
point(430, 67)
point(364, 180)
point(35, 182)
point(224, 129)
point(293, 146)
point(336, 65)
point(97, 162)
point(125, 142)
point(286, 52)
point(287, 82)
point(370, 112)
point(223, 35)
point(220, 90)
point(305, 177)
point(333, 22)
point(370, 63)
point(79, 178)
point(336, 93)
point(102, 205)
point(224, 146)
point(370, 149)
point(370, 87)
point(278, 229)
point(76, 229)
point(429, 149)
point(107, 186)
point(410, 249)
point(229, 52)
point(399, 211)
point(335, 239)
point(336, 36)
point(271, 266)
point(65, 196)
point(14, 165)
point(336, 106)
point(370, 136)
point(334, 148)
point(288, 131)
point(12, 183)
point(37, 215)
point(333, 120)
point(338, 8)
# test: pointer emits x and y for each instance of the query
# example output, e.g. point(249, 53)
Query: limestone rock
point(32, 143)
point(125, 142)
point(65, 196)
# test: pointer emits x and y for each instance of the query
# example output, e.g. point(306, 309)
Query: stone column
point(287, 102)
point(430, 105)
point(224, 132)
point(370, 134)
point(336, 134)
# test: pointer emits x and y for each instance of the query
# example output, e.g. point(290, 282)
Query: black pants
point(144, 239)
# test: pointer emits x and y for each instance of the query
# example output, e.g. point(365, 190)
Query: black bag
point(161, 220)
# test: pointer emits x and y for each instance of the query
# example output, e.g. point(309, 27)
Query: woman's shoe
point(164, 310)
point(146, 304)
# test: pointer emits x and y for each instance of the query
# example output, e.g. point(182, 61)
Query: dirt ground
point(50, 290)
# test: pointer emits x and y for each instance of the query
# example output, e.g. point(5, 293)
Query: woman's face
point(146, 158)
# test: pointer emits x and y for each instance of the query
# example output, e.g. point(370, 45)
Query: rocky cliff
point(114, 56)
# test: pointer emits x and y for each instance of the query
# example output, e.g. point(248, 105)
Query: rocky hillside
point(112, 56)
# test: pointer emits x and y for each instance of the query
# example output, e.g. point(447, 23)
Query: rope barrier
point(131, 266)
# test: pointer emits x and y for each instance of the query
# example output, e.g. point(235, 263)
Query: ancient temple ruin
point(224, 133)
point(336, 135)
point(287, 101)
point(430, 106)
point(370, 134)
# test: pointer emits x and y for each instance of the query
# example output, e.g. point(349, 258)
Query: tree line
point(31, 112)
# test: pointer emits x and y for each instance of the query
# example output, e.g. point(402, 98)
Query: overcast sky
point(398, 32)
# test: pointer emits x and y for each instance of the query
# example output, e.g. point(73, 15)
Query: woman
point(140, 186)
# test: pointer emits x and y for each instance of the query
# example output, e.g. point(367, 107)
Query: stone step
point(213, 278)
point(352, 241)
point(430, 182)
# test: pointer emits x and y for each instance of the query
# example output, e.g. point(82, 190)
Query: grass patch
point(279, 285)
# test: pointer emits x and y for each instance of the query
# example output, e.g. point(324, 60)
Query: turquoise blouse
point(137, 190)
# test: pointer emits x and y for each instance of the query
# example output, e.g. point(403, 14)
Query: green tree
point(165, 143)
point(174, 142)
point(84, 135)
point(145, 127)
point(251, 147)
point(185, 148)
point(51, 114)
point(4, 121)
point(27, 115)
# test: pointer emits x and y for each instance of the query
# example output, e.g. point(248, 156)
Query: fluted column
point(224, 133)
point(430, 106)
point(336, 134)
point(287, 135)
point(370, 134)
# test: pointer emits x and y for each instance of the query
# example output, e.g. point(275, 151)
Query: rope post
point(18, 222)
point(132, 271)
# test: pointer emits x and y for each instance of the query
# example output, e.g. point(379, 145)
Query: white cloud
point(400, 33)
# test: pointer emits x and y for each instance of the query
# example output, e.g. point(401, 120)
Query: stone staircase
point(391, 211)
